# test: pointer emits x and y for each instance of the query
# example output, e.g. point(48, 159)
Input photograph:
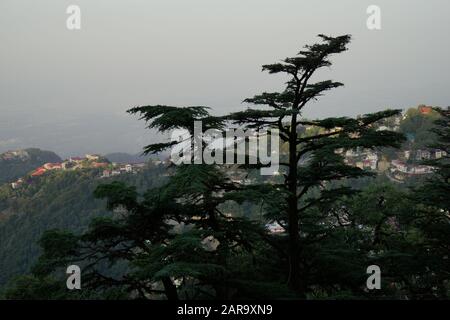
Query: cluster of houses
point(361, 158)
point(115, 169)
point(88, 162)
point(12, 155)
point(420, 155)
point(400, 166)
point(406, 165)
point(407, 162)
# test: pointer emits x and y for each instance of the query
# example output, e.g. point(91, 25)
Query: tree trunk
point(295, 282)
point(170, 288)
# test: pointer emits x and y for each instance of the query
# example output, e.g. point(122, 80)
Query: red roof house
point(425, 109)
point(100, 164)
point(38, 172)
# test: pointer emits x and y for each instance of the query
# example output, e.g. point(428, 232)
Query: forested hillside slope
point(62, 200)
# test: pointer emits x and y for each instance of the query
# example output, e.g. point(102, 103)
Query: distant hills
point(15, 164)
point(121, 157)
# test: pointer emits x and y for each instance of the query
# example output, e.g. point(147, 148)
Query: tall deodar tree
point(312, 159)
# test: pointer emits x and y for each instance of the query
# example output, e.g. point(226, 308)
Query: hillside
point(15, 164)
point(62, 200)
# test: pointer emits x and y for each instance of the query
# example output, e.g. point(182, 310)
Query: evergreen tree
point(433, 220)
point(312, 161)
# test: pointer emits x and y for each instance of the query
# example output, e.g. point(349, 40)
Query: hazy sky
point(68, 90)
